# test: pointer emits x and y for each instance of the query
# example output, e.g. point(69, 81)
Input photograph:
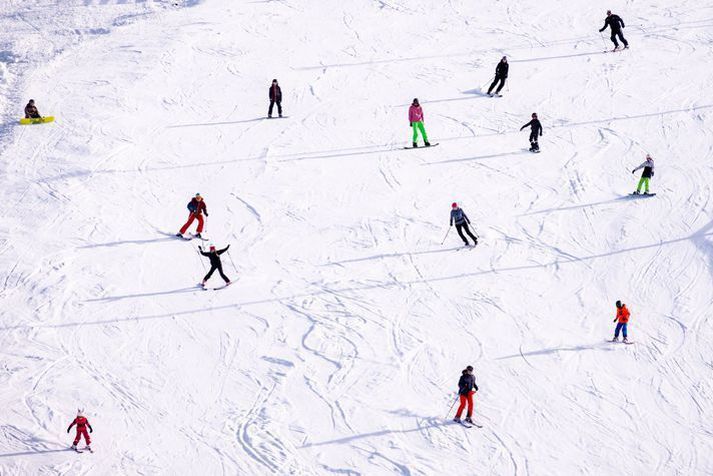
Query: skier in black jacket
point(215, 264)
point(462, 221)
point(501, 74)
point(275, 95)
point(616, 24)
point(466, 389)
point(535, 132)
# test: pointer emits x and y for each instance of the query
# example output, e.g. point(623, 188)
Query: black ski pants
point(618, 33)
point(272, 104)
point(460, 227)
point(219, 267)
point(533, 141)
point(501, 79)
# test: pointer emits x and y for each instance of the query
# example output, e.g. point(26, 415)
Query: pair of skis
point(468, 425)
point(190, 236)
point(77, 450)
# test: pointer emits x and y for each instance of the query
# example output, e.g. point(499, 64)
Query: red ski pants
point(192, 217)
point(463, 400)
point(81, 432)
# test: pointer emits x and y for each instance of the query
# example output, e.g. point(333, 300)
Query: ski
point(634, 194)
point(280, 117)
point(216, 288)
point(89, 449)
point(618, 342)
point(77, 450)
point(423, 147)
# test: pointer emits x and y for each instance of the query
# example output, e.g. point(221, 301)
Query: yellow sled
point(38, 120)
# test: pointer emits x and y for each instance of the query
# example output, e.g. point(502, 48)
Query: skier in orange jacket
point(622, 319)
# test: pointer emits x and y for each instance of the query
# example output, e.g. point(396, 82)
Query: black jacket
point(275, 93)
point(215, 256)
point(466, 384)
point(613, 21)
point(501, 70)
point(535, 125)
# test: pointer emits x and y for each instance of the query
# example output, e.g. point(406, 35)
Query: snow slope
point(339, 347)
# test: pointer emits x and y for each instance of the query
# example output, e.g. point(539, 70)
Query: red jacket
point(622, 314)
point(81, 423)
point(415, 114)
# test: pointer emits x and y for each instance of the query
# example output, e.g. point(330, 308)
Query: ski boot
point(198, 235)
point(415, 145)
point(615, 339)
point(428, 144)
point(625, 341)
point(636, 192)
point(456, 419)
point(180, 235)
point(280, 115)
point(468, 420)
point(646, 192)
point(89, 448)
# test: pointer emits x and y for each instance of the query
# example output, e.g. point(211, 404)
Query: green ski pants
point(645, 182)
point(418, 126)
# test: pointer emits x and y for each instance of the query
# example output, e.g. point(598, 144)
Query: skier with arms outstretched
point(646, 175)
point(622, 320)
point(462, 221)
point(616, 24)
point(82, 425)
point(535, 132)
point(215, 263)
point(466, 389)
point(196, 209)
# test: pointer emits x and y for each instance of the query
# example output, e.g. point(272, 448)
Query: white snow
point(339, 348)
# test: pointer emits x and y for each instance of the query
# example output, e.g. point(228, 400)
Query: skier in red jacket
point(82, 424)
point(196, 207)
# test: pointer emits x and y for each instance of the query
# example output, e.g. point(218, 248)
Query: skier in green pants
point(646, 175)
point(415, 117)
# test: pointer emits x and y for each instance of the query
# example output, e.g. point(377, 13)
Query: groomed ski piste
point(338, 348)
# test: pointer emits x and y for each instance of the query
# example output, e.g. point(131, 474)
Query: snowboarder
point(466, 389)
point(622, 316)
point(501, 74)
point(196, 208)
point(82, 424)
point(646, 175)
point(415, 117)
point(215, 263)
point(616, 24)
point(275, 95)
point(535, 132)
point(31, 111)
point(461, 221)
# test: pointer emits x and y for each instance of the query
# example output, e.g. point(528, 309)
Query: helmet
point(469, 368)
point(454, 205)
point(212, 247)
point(608, 12)
point(274, 80)
point(415, 101)
point(534, 114)
point(618, 304)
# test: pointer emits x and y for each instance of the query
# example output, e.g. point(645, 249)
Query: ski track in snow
point(338, 348)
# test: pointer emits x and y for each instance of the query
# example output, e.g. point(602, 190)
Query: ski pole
point(444, 238)
point(603, 40)
point(232, 262)
point(452, 405)
point(200, 258)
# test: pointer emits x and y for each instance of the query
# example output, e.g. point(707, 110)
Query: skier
point(462, 221)
point(31, 111)
point(82, 424)
point(196, 207)
point(466, 389)
point(535, 131)
point(501, 74)
point(415, 117)
point(622, 315)
point(616, 24)
point(215, 263)
point(646, 175)
point(275, 95)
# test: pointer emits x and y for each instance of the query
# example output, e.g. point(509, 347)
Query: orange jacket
point(622, 314)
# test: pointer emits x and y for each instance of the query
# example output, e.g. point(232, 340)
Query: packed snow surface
point(338, 348)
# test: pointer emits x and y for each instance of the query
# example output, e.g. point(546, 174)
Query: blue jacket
point(458, 216)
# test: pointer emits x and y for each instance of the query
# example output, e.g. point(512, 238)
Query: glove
point(652, 173)
point(200, 247)
point(206, 213)
point(410, 124)
point(633, 171)
point(614, 320)
point(90, 430)
point(67, 430)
